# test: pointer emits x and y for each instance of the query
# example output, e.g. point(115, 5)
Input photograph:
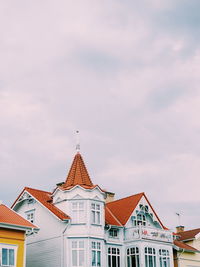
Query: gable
point(124, 208)
point(144, 214)
point(44, 198)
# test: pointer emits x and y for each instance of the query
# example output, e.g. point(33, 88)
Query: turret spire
point(78, 174)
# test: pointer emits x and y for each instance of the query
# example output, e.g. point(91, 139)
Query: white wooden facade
point(86, 238)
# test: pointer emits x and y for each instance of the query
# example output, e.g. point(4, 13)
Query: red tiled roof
point(10, 217)
point(187, 235)
point(184, 246)
point(110, 218)
point(45, 199)
point(78, 174)
point(123, 208)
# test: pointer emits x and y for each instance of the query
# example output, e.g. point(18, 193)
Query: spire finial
point(77, 142)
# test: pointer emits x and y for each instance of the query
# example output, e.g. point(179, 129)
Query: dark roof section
point(188, 235)
point(183, 246)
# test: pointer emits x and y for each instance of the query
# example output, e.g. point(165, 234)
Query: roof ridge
point(26, 187)
point(114, 216)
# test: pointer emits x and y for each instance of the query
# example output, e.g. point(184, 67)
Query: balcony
point(142, 232)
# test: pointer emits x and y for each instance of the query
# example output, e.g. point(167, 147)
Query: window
point(150, 257)
point(77, 253)
point(30, 216)
point(113, 233)
point(164, 258)
point(133, 259)
point(96, 213)
point(113, 257)
point(96, 254)
point(140, 220)
point(78, 213)
point(8, 257)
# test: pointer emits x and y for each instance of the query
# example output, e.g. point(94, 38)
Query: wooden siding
point(45, 253)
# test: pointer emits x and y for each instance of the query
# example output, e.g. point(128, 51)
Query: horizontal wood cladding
point(45, 253)
point(12, 234)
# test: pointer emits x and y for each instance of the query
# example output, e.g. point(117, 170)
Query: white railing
point(148, 233)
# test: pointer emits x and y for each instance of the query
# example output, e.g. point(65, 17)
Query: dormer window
point(96, 213)
point(30, 216)
point(140, 219)
point(113, 233)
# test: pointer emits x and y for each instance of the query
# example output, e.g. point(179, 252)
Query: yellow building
point(13, 231)
point(187, 248)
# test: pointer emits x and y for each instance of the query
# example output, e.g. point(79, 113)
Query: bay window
point(150, 257)
point(78, 253)
point(78, 212)
point(113, 257)
point(96, 213)
point(96, 253)
point(164, 258)
point(133, 259)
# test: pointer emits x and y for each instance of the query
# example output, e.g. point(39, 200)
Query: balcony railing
point(142, 232)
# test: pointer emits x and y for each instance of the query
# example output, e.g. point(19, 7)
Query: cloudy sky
point(126, 74)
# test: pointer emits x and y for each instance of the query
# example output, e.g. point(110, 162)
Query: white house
point(81, 225)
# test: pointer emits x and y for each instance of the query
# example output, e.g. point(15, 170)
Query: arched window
point(133, 259)
point(164, 258)
point(150, 257)
point(113, 257)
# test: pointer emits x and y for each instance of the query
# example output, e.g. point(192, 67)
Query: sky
point(126, 75)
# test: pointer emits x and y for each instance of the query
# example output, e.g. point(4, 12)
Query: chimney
point(109, 197)
point(180, 229)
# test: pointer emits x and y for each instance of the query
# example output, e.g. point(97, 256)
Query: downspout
point(178, 257)
point(62, 243)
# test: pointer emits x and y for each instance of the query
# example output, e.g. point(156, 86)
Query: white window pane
point(74, 258)
point(81, 258)
point(81, 244)
point(74, 244)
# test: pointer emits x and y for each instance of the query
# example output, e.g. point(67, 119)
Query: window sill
point(96, 224)
point(78, 223)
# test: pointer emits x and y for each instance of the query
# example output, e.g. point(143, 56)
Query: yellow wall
point(14, 237)
point(187, 258)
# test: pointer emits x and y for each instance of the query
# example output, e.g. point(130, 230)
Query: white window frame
point(78, 212)
point(30, 215)
point(96, 213)
point(133, 253)
point(8, 247)
point(77, 251)
point(114, 233)
point(114, 252)
point(96, 254)
point(164, 257)
point(150, 254)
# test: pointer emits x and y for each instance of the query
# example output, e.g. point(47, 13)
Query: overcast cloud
point(124, 73)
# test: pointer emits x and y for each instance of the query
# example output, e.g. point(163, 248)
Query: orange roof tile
point(45, 199)
point(10, 217)
point(184, 246)
point(78, 174)
point(123, 208)
point(110, 218)
point(187, 235)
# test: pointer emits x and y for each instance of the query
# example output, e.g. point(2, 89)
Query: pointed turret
point(78, 174)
